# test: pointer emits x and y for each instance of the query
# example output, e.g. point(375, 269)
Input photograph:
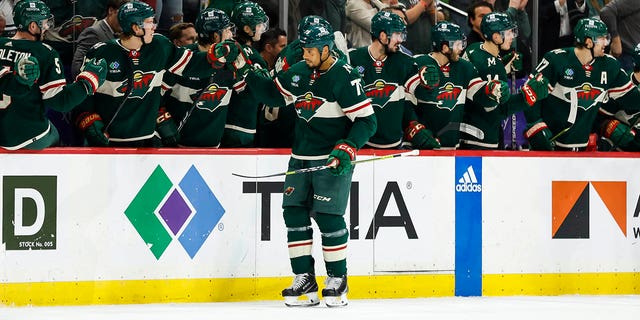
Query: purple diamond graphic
point(175, 211)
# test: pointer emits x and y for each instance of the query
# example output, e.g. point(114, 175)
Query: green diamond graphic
point(141, 212)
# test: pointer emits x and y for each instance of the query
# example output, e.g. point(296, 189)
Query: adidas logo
point(468, 182)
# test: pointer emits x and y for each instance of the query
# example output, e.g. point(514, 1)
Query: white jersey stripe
point(474, 86)
point(411, 84)
point(618, 92)
point(288, 96)
point(179, 66)
point(362, 109)
point(49, 90)
point(4, 71)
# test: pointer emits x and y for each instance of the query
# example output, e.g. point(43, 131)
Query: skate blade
point(333, 302)
point(310, 301)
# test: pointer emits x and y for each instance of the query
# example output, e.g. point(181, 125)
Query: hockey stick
point(195, 102)
point(452, 8)
point(462, 127)
point(318, 168)
point(378, 4)
point(573, 112)
point(124, 100)
point(513, 116)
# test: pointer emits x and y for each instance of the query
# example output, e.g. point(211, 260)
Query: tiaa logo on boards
point(162, 211)
point(468, 181)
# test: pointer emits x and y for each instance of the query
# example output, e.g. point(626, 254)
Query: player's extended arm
point(534, 90)
point(91, 77)
point(265, 90)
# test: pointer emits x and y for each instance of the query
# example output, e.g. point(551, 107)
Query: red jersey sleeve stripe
point(282, 90)
point(624, 88)
point(179, 66)
point(357, 107)
point(52, 85)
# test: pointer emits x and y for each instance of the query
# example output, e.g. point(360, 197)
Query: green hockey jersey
point(385, 82)
point(22, 114)
point(137, 77)
point(578, 92)
point(444, 108)
point(276, 123)
point(242, 117)
point(201, 103)
point(482, 123)
point(330, 106)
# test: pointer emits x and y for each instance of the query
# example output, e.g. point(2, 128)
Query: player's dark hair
point(471, 11)
point(115, 4)
point(175, 32)
point(270, 37)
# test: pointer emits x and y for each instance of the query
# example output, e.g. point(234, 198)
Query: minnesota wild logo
point(75, 25)
point(213, 97)
point(380, 92)
point(587, 95)
point(448, 96)
point(141, 84)
point(307, 105)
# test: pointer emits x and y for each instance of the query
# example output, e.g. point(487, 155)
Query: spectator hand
point(512, 61)
point(167, 129)
point(341, 156)
point(420, 136)
point(93, 128)
point(497, 90)
point(429, 76)
point(27, 70)
point(93, 74)
point(616, 46)
point(535, 88)
point(539, 136)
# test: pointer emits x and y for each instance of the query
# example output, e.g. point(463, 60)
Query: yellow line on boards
point(360, 287)
point(210, 290)
point(549, 284)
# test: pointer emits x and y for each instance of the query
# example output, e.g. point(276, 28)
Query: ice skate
point(335, 292)
point(304, 286)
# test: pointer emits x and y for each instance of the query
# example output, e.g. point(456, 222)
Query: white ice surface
point(449, 308)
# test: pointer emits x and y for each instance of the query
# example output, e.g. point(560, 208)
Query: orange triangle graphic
point(564, 195)
point(614, 196)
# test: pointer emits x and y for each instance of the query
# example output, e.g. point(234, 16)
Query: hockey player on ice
point(335, 119)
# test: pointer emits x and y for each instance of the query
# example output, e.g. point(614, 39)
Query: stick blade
point(413, 152)
point(259, 177)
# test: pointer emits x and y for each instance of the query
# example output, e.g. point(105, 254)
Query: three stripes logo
point(468, 182)
point(571, 208)
point(162, 211)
